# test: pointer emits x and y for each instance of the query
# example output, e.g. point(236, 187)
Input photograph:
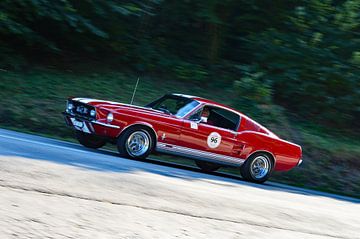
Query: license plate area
point(80, 125)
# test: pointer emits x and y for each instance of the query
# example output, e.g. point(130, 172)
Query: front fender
point(139, 123)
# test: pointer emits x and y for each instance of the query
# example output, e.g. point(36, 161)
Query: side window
point(217, 117)
point(223, 118)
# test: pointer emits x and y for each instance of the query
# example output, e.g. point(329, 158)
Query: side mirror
point(203, 120)
point(198, 119)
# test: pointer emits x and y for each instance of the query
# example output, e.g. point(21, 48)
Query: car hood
point(116, 106)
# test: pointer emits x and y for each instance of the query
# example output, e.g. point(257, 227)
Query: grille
point(81, 109)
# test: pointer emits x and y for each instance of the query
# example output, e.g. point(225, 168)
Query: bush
point(190, 72)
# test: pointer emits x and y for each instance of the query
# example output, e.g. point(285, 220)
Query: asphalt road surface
point(54, 189)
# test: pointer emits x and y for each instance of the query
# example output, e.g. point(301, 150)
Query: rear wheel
point(135, 142)
point(90, 140)
point(207, 166)
point(257, 168)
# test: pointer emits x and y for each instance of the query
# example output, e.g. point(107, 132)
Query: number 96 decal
point(214, 140)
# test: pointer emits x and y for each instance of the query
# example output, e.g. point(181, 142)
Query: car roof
point(207, 101)
point(200, 99)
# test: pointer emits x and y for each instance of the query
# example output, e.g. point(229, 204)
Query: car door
point(214, 141)
point(168, 129)
point(168, 121)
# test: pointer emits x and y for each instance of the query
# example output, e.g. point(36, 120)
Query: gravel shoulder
point(41, 199)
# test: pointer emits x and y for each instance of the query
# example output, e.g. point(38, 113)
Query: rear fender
point(286, 154)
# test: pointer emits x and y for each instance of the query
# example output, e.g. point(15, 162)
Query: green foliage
point(356, 58)
point(190, 72)
point(314, 67)
point(303, 54)
point(252, 89)
point(68, 24)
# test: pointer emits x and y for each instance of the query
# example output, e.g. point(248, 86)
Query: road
point(55, 189)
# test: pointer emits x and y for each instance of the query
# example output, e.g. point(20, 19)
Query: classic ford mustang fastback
point(212, 134)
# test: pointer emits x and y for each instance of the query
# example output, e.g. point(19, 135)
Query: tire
point(90, 140)
point(257, 168)
point(136, 142)
point(207, 166)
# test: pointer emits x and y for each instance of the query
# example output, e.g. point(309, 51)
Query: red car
point(212, 134)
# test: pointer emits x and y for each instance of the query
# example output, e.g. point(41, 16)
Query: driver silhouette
point(205, 115)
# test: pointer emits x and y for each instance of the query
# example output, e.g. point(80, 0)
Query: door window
point(218, 117)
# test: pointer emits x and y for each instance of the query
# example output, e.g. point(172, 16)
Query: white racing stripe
point(88, 100)
point(198, 154)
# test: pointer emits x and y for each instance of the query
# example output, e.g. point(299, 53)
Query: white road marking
point(42, 143)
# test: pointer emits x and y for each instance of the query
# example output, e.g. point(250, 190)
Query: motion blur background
point(292, 65)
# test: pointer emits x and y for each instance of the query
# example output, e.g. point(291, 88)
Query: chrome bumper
point(106, 125)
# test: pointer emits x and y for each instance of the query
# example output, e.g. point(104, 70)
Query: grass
point(32, 102)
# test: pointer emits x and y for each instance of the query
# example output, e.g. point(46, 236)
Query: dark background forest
point(292, 65)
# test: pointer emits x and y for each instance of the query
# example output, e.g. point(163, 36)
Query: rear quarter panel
point(286, 154)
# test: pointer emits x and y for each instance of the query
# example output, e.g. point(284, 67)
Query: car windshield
point(173, 104)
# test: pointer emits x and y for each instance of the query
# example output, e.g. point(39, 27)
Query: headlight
point(69, 107)
point(110, 117)
point(92, 113)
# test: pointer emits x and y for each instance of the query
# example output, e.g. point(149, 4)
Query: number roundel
point(214, 140)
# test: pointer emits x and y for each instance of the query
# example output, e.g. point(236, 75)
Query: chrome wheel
point(137, 143)
point(260, 167)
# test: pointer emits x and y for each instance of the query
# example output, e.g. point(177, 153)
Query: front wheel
point(90, 140)
point(207, 166)
point(136, 142)
point(257, 168)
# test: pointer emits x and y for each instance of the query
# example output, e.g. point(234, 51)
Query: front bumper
point(91, 126)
